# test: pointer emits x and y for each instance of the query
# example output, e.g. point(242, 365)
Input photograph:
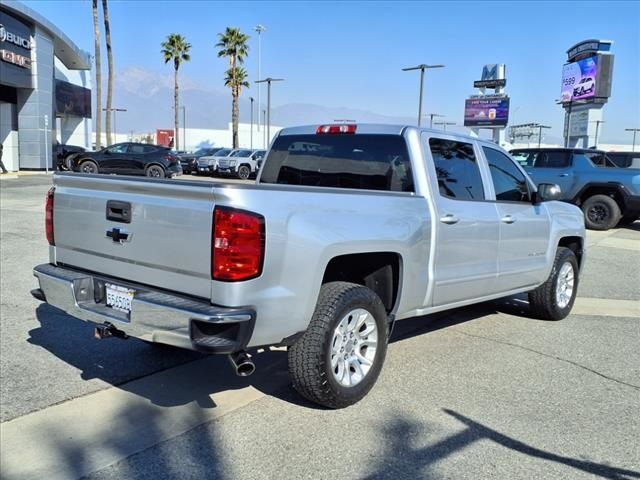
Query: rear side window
point(369, 162)
point(457, 169)
point(559, 159)
point(149, 149)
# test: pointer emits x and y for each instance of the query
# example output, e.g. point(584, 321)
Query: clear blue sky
point(349, 54)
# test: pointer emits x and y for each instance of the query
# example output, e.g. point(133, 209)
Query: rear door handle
point(563, 175)
point(508, 219)
point(449, 219)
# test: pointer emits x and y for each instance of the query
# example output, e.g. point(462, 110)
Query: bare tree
point(96, 38)
point(107, 35)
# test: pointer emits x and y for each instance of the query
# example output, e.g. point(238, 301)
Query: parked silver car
point(209, 164)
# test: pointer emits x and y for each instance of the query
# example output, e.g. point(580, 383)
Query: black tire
point(601, 212)
point(88, 166)
point(244, 172)
point(310, 357)
point(155, 171)
point(543, 301)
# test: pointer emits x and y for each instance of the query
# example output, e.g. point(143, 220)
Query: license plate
point(119, 298)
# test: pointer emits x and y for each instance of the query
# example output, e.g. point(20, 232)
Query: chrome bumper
point(156, 316)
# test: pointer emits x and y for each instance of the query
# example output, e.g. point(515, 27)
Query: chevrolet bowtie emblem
point(118, 235)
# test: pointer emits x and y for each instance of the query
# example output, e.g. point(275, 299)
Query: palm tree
point(107, 34)
point(235, 79)
point(176, 48)
point(233, 44)
point(96, 37)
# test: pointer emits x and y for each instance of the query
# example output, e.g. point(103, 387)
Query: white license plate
point(119, 298)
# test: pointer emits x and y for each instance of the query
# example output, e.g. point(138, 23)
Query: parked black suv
point(62, 153)
point(129, 159)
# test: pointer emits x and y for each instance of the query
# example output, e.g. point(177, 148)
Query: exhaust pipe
point(107, 330)
point(242, 363)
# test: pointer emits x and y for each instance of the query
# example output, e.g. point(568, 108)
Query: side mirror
point(547, 192)
point(107, 151)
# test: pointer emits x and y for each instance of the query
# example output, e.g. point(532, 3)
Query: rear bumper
point(156, 315)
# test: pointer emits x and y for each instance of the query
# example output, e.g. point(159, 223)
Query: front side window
point(526, 159)
point(120, 148)
point(509, 182)
point(457, 169)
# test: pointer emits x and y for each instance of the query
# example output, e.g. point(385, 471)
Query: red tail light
point(237, 250)
point(171, 159)
point(334, 129)
point(48, 216)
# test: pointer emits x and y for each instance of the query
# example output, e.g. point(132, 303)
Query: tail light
point(237, 250)
point(48, 216)
point(336, 129)
point(171, 159)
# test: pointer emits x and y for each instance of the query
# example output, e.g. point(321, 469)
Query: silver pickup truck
point(348, 229)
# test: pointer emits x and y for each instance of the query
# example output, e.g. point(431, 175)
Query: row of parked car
point(131, 158)
point(242, 163)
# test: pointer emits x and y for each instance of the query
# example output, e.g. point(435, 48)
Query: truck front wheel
point(338, 359)
point(554, 299)
point(601, 212)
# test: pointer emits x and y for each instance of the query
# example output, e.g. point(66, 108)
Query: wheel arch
point(613, 190)
point(379, 271)
point(576, 245)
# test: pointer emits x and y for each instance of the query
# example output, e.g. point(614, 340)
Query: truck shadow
point(122, 363)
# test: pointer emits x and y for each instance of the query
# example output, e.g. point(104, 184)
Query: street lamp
point(634, 130)
point(444, 124)
point(184, 128)
point(114, 110)
point(422, 68)
point(259, 29)
point(251, 129)
point(264, 128)
point(268, 81)
point(431, 115)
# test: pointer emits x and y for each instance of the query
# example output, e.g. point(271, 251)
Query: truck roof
point(378, 129)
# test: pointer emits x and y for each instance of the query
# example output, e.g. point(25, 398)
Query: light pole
point(634, 130)
point(184, 128)
point(444, 124)
point(251, 129)
point(259, 29)
point(597, 122)
point(268, 81)
point(114, 110)
point(422, 68)
point(431, 115)
point(540, 127)
point(264, 128)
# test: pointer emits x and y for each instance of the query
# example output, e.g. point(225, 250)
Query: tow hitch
point(108, 330)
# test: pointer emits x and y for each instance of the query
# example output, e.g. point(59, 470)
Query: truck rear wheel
point(601, 212)
point(553, 300)
point(338, 359)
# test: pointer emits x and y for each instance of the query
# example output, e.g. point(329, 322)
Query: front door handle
point(563, 175)
point(508, 219)
point(449, 219)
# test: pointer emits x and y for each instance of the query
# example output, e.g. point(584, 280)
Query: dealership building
point(45, 89)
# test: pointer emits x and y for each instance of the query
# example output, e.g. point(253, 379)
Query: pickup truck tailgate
point(166, 243)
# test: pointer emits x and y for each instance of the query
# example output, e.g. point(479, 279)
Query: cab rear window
point(368, 162)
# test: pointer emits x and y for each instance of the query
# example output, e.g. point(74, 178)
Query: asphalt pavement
point(480, 392)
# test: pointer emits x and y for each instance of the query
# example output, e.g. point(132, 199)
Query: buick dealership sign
point(10, 37)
